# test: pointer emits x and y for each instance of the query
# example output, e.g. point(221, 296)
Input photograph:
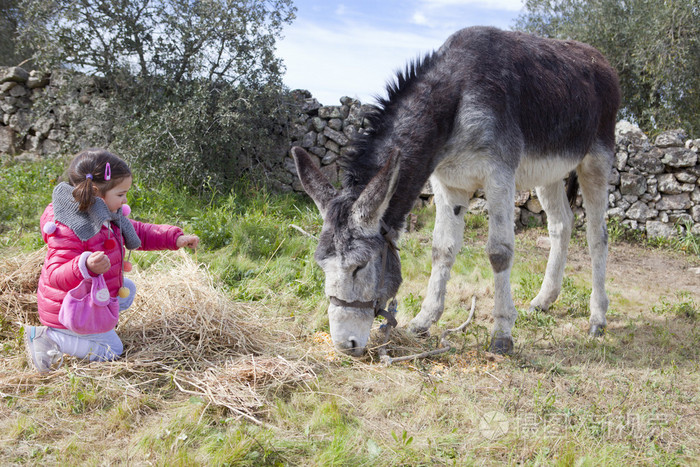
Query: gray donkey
point(490, 109)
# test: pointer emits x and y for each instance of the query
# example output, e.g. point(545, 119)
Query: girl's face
point(116, 196)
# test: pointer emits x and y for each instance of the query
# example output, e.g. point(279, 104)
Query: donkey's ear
point(370, 207)
point(313, 181)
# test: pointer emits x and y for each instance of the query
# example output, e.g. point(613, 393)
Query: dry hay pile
point(19, 276)
point(181, 327)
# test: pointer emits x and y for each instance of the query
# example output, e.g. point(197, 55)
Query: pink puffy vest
point(60, 272)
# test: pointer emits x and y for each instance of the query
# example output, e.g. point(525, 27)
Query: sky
point(354, 48)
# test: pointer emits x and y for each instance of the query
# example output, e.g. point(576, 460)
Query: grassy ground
point(228, 360)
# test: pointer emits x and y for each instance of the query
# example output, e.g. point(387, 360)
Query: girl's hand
point(190, 241)
point(98, 262)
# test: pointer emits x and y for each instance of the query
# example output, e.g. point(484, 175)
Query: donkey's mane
point(359, 164)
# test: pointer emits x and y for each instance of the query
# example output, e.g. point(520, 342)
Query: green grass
point(25, 190)
point(683, 306)
point(627, 398)
point(684, 240)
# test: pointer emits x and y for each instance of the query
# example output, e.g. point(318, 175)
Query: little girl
point(87, 232)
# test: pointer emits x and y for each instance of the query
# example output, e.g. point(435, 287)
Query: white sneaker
point(42, 352)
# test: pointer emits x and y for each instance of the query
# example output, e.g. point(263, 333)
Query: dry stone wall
point(42, 117)
point(653, 187)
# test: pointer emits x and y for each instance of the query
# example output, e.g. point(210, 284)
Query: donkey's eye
point(357, 269)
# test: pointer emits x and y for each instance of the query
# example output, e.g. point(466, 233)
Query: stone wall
point(653, 187)
point(40, 115)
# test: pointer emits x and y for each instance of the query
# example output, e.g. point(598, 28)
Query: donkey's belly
point(468, 173)
point(533, 172)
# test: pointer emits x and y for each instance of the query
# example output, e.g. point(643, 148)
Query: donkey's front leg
point(500, 196)
point(447, 241)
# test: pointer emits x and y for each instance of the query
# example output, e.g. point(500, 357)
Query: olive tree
point(195, 87)
point(653, 44)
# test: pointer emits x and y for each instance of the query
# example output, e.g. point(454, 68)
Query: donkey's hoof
point(596, 330)
point(501, 345)
point(418, 331)
point(534, 309)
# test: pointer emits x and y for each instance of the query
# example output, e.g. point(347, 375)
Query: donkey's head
point(354, 250)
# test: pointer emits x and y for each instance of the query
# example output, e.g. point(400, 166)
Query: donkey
point(491, 109)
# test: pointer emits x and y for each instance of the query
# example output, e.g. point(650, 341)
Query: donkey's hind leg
point(559, 223)
point(593, 174)
point(448, 236)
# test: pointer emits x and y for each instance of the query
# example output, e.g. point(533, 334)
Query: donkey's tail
point(572, 188)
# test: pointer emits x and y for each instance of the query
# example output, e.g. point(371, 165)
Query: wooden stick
point(303, 231)
point(446, 345)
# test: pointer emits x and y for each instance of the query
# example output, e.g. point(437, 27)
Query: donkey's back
point(556, 97)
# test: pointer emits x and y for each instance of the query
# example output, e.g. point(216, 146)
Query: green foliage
point(10, 20)
point(219, 40)
point(25, 190)
point(202, 134)
point(653, 44)
point(684, 306)
point(189, 91)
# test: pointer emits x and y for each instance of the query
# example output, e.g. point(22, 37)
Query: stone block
point(318, 151)
point(318, 124)
point(621, 160)
point(336, 136)
point(50, 146)
point(631, 184)
point(477, 206)
point(680, 158)
point(648, 162)
point(14, 73)
point(686, 177)
point(308, 140)
point(332, 146)
point(670, 138)
point(617, 213)
point(695, 213)
point(43, 125)
point(18, 91)
point(673, 202)
point(669, 185)
point(5, 88)
point(21, 121)
point(37, 79)
point(533, 205)
point(521, 198)
point(336, 124)
point(641, 212)
point(656, 229)
point(7, 140)
point(529, 218)
point(329, 158)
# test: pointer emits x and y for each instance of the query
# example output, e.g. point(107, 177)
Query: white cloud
point(419, 18)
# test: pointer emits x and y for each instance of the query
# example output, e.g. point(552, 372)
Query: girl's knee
point(127, 301)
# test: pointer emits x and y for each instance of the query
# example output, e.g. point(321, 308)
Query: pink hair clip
point(108, 172)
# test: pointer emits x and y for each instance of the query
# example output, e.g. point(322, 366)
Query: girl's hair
point(87, 171)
